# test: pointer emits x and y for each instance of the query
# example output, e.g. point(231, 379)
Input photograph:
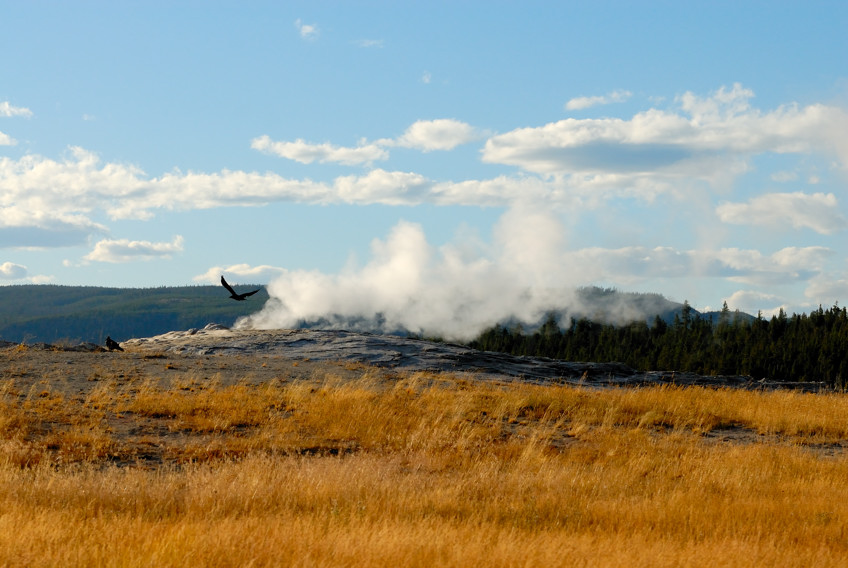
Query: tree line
point(807, 347)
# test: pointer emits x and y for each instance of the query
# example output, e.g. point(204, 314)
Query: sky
point(442, 164)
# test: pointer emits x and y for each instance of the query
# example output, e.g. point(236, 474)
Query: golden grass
point(426, 470)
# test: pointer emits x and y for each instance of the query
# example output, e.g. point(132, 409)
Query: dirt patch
point(77, 426)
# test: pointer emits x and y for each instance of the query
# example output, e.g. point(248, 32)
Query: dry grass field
point(154, 460)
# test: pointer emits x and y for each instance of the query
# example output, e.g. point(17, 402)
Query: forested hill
point(50, 313)
point(612, 306)
point(808, 348)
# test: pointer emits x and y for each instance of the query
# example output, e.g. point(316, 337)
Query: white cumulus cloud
point(6, 109)
point(439, 134)
point(40, 197)
point(750, 302)
point(680, 141)
point(125, 250)
point(306, 153)
point(424, 135)
point(12, 271)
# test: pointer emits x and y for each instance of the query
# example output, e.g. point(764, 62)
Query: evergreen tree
point(810, 347)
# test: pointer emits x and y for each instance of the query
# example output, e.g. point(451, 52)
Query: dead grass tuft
point(420, 470)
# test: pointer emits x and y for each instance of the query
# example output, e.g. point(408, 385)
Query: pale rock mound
point(406, 353)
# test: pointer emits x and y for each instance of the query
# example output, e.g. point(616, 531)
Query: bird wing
point(227, 286)
point(249, 293)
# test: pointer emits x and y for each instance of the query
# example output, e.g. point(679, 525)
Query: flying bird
point(233, 295)
point(111, 344)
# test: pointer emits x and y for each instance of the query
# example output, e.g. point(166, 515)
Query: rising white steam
point(454, 291)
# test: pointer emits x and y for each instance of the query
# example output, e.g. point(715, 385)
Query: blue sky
point(482, 157)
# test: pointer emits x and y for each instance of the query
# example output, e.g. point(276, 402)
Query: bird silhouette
point(112, 345)
point(233, 295)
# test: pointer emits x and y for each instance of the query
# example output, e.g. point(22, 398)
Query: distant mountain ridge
point(608, 305)
point(48, 313)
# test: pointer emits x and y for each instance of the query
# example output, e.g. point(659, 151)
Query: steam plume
point(454, 291)
point(458, 290)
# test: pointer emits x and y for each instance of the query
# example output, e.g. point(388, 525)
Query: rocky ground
point(415, 354)
point(264, 354)
point(258, 355)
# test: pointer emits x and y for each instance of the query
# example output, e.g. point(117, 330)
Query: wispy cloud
point(828, 288)
point(370, 43)
point(33, 223)
point(580, 103)
point(634, 264)
point(817, 211)
point(784, 176)
point(254, 274)
point(307, 31)
point(789, 264)
point(125, 250)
